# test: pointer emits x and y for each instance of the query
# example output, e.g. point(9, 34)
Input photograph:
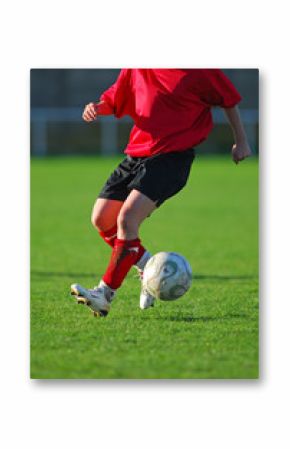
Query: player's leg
point(111, 198)
point(133, 212)
point(162, 177)
point(105, 213)
point(128, 250)
point(104, 218)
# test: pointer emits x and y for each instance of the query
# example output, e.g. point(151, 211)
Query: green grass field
point(212, 332)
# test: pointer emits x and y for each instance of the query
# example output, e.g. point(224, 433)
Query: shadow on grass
point(205, 319)
point(219, 277)
point(214, 277)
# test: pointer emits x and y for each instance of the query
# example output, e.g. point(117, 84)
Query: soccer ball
point(167, 276)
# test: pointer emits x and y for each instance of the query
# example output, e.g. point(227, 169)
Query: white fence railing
point(41, 117)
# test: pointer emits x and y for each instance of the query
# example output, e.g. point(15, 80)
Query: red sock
point(125, 254)
point(109, 236)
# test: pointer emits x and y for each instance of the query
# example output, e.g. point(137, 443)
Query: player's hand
point(90, 112)
point(240, 151)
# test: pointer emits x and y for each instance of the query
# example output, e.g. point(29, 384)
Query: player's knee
point(97, 220)
point(126, 221)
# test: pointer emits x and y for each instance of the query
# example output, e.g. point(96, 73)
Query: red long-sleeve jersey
point(171, 108)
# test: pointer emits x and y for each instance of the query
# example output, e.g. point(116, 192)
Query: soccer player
point(171, 109)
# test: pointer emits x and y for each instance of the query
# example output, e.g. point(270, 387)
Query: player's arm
point(92, 110)
point(241, 148)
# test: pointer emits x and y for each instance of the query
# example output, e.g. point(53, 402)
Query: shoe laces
point(102, 289)
point(139, 273)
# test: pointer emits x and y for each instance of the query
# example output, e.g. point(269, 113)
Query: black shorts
point(158, 177)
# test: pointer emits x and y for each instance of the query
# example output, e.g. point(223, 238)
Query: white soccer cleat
point(97, 299)
point(146, 300)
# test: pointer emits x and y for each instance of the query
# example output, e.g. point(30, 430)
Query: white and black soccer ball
point(167, 276)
